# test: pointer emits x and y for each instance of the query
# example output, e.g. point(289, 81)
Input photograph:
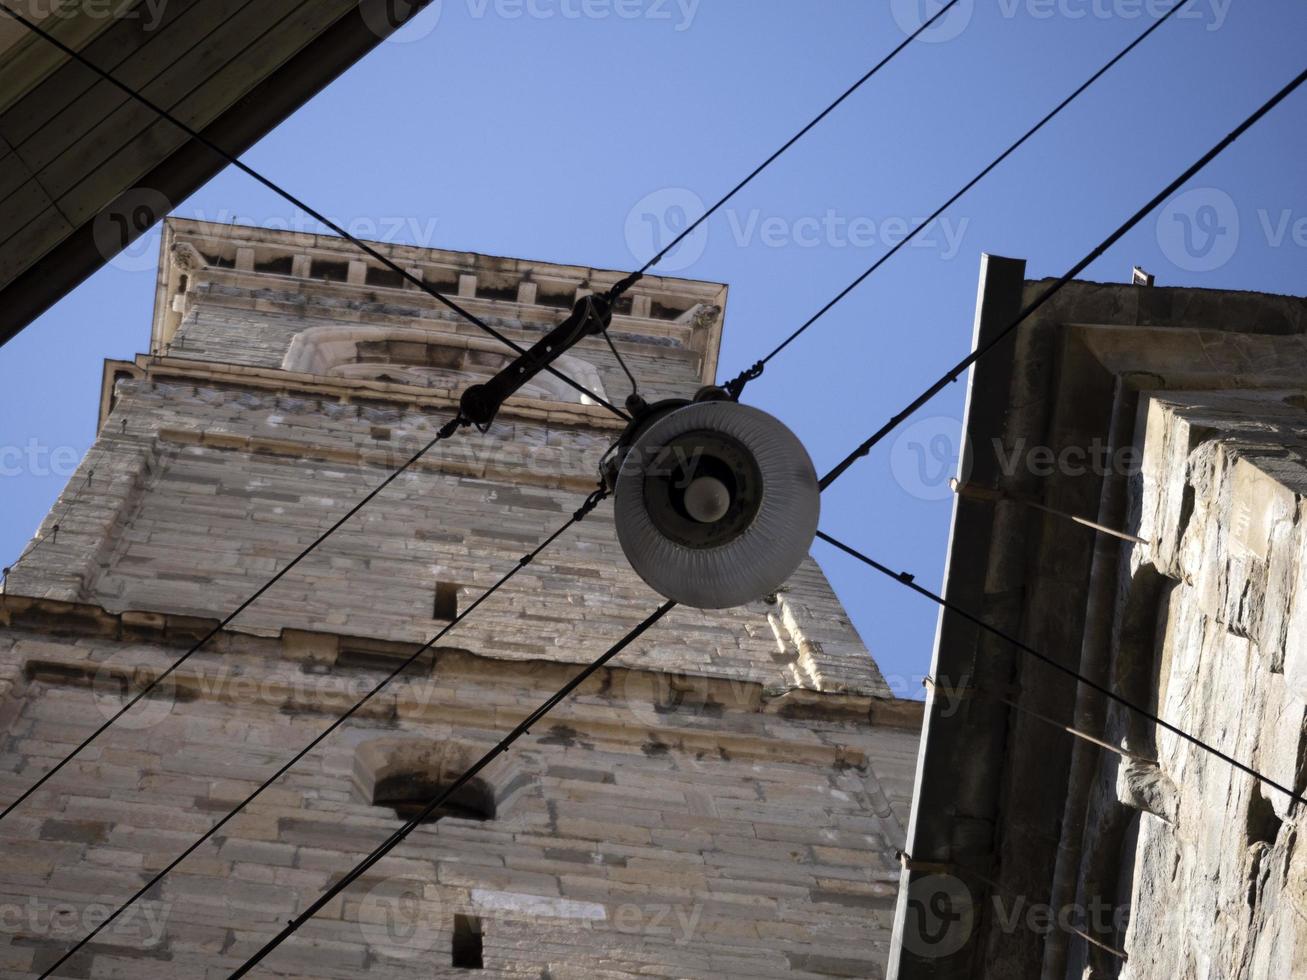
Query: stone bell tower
point(726, 799)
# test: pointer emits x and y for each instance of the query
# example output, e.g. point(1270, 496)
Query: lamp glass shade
point(716, 504)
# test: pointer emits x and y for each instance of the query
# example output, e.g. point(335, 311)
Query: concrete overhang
point(84, 169)
point(994, 772)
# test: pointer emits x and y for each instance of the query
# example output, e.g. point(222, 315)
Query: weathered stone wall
point(241, 296)
point(224, 326)
point(1218, 878)
point(732, 835)
point(727, 799)
point(200, 493)
point(1056, 834)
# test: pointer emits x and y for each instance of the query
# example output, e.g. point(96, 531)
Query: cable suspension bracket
point(590, 317)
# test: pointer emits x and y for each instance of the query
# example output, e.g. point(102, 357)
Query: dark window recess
point(385, 276)
point(281, 266)
point(446, 605)
point(330, 271)
point(467, 948)
point(659, 312)
point(441, 280)
point(561, 300)
point(408, 794)
point(348, 659)
point(505, 293)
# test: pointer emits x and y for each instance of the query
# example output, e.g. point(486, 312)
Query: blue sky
point(573, 130)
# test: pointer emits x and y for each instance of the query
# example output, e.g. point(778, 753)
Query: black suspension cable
point(621, 361)
point(447, 430)
point(637, 276)
point(296, 202)
point(625, 284)
point(737, 384)
point(616, 291)
point(953, 373)
point(393, 841)
point(903, 578)
point(590, 503)
point(403, 832)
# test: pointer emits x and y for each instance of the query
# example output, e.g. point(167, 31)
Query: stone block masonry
point(727, 799)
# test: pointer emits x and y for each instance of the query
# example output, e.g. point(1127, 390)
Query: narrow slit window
point(446, 605)
point(467, 948)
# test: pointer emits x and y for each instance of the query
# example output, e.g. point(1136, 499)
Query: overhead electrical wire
point(447, 430)
point(613, 293)
point(954, 372)
point(286, 195)
point(825, 483)
point(590, 503)
point(621, 362)
point(905, 579)
point(393, 841)
point(990, 345)
point(736, 385)
point(451, 427)
point(619, 288)
point(694, 225)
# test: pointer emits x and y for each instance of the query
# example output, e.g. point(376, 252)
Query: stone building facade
point(726, 799)
point(1059, 835)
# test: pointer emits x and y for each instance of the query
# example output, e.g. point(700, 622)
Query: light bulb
point(707, 500)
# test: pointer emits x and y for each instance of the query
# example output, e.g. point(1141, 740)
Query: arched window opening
point(425, 358)
point(409, 793)
point(405, 773)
